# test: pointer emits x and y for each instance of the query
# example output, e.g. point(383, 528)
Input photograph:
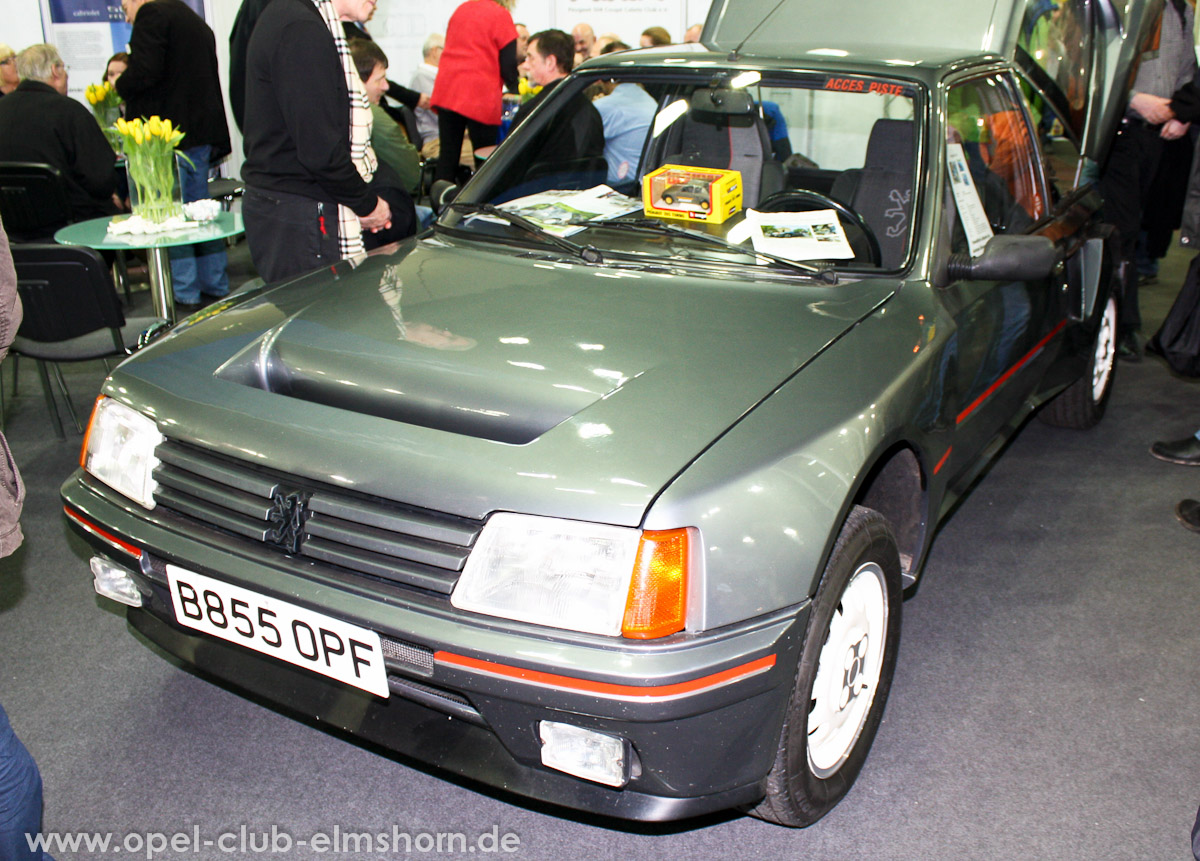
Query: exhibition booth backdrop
point(88, 32)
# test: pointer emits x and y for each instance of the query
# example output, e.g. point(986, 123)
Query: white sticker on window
point(966, 196)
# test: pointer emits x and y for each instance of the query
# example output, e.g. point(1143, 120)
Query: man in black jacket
point(298, 166)
point(40, 123)
point(172, 74)
point(239, 42)
point(576, 132)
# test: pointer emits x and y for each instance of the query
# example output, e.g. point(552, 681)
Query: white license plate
point(311, 640)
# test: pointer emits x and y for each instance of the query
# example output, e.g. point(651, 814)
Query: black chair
point(34, 204)
point(407, 119)
point(71, 314)
point(881, 191)
point(33, 201)
point(725, 129)
point(225, 189)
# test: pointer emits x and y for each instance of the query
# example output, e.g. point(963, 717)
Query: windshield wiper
point(650, 225)
point(586, 253)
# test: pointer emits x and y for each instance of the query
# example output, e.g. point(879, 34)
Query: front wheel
point(1081, 405)
point(845, 673)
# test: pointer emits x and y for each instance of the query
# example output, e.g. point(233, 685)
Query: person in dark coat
point(239, 41)
point(1185, 108)
point(173, 74)
point(40, 123)
point(577, 131)
point(1129, 170)
point(299, 167)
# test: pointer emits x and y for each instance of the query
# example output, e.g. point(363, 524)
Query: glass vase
point(155, 192)
point(107, 116)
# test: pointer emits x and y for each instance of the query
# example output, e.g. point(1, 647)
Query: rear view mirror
point(722, 102)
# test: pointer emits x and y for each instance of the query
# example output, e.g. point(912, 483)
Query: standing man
point(173, 74)
point(422, 81)
point(302, 183)
point(40, 123)
point(1168, 64)
point(577, 131)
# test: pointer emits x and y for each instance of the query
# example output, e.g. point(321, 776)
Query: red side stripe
point(991, 390)
point(607, 689)
point(135, 552)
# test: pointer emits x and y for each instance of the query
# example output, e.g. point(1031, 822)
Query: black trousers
point(1125, 184)
point(387, 184)
point(451, 127)
point(289, 234)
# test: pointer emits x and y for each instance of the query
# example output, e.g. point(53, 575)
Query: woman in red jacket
point(480, 58)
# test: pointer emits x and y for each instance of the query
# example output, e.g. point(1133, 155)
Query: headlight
point(578, 576)
point(119, 450)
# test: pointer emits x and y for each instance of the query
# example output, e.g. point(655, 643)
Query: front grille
point(354, 532)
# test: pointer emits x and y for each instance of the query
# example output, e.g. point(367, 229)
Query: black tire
point(704, 205)
point(1081, 405)
point(668, 200)
point(800, 790)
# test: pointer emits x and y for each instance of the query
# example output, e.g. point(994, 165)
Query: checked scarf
point(361, 153)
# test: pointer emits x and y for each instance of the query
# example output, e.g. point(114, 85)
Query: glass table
point(93, 233)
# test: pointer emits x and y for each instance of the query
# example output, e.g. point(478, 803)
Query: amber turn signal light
point(657, 601)
point(88, 433)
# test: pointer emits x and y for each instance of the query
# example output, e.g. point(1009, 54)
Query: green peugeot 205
point(617, 511)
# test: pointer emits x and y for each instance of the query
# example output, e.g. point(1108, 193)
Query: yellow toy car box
point(695, 193)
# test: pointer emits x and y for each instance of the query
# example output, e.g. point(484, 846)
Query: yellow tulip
point(137, 136)
point(122, 126)
point(154, 127)
point(167, 130)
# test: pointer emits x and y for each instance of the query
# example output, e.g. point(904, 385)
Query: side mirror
point(1007, 258)
point(441, 193)
point(152, 334)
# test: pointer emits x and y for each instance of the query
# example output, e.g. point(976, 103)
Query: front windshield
point(775, 167)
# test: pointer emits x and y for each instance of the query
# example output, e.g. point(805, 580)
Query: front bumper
point(701, 713)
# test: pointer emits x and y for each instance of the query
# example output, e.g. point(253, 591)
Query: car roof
point(908, 29)
point(921, 39)
point(875, 61)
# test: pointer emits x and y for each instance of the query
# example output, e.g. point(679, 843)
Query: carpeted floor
point(1045, 707)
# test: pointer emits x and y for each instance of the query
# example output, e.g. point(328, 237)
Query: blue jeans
point(199, 268)
point(20, 797)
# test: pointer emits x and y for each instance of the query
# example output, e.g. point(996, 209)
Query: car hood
point(452, 374)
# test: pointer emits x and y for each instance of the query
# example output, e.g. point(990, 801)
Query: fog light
point(113, 581)
point(585, 753)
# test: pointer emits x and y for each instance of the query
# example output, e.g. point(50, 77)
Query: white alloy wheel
point(848, 670)
point(1106, 351)
point(843, 675)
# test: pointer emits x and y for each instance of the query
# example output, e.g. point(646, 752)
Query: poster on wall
point(625, 18)
point(87, 33)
